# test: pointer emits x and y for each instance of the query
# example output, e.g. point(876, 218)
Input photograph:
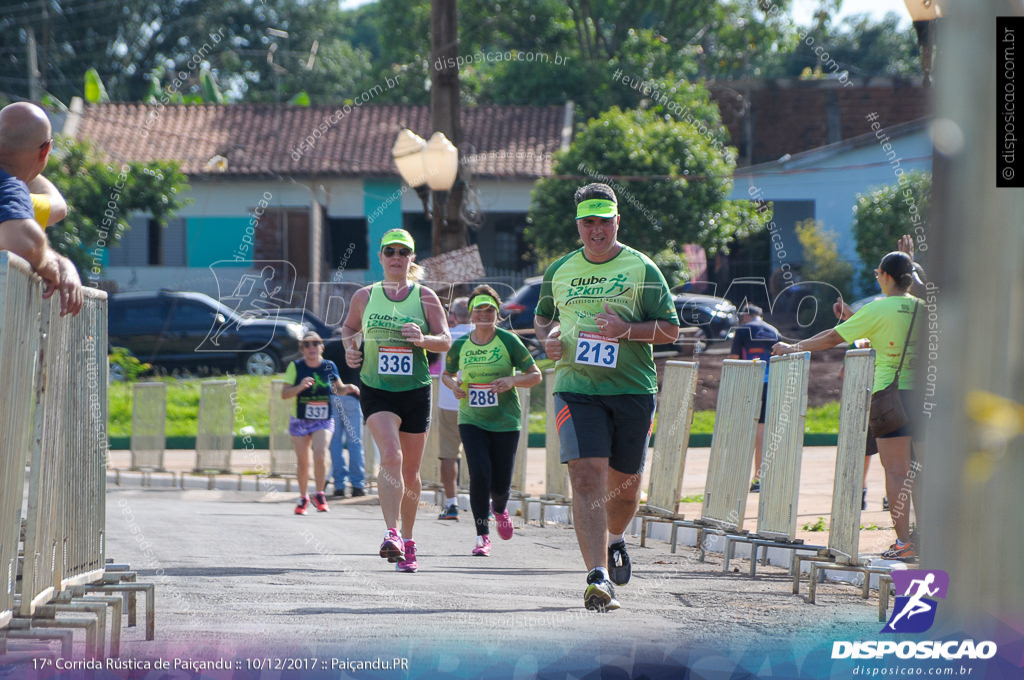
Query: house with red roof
point(315, 186)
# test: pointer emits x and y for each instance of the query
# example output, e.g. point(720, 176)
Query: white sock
point(603, 570)
point(479, 541)
point(449, 502)
point(613, 538)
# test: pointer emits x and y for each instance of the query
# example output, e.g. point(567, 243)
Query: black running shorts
point(616, 427)
point(412, 406)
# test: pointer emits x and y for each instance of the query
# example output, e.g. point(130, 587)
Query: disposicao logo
point(914, 612)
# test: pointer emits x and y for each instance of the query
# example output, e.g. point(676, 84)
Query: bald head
point(25, 133)
point(460, 309)
point(23, 127)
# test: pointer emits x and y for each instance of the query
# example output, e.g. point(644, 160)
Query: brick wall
point(768, 119)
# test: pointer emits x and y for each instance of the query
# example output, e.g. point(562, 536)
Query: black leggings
point(490, 457)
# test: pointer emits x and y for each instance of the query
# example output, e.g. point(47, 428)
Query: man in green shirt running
point(602, 308)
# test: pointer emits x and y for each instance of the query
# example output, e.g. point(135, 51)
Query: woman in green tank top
point(399, 321)
point(484, 368)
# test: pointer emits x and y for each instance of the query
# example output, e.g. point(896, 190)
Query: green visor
point(483, 300)
point(596, 207)
point(400, 237)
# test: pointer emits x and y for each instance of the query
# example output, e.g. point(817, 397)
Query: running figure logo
point(257, 292)
point(914, 611)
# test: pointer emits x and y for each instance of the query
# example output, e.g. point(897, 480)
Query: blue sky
point(804, 9)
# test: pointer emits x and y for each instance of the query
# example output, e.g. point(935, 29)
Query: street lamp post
point(429, 166)
point(440, 159)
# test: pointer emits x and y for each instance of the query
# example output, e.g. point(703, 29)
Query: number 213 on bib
point(596, 350)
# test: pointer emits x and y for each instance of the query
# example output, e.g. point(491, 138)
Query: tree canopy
point(884, 214)
point(671, 180)
point(272, 50)
point(100, 198)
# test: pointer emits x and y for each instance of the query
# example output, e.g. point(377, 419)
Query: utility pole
point(447, 231)
point(34, 90)
point(43, 72)
point(974, 381)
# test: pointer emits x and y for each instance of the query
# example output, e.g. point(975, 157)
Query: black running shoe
point(600, 593)
point(619, 567)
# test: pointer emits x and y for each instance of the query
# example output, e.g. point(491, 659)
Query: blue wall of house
point(382, 205)
point(833, 178)
point(209, 239)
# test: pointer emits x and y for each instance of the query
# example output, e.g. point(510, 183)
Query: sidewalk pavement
point(239, 577)
point(818, 473)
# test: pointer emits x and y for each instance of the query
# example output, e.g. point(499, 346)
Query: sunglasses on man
point(391, 252)
point(310, 343)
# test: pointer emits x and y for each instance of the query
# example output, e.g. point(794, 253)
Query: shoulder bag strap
point(907, 343)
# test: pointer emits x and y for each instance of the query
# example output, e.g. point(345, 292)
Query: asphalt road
point(242, 579)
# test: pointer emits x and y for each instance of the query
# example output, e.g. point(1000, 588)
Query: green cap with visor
point(483, 300)
point(400, 237)
point(596, 207)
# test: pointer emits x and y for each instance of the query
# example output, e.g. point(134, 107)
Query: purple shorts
point(301, 427)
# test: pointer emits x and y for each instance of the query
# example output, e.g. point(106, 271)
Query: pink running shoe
point(409, 564)
point(504, 523)
point(392, 549)
point(484, 549)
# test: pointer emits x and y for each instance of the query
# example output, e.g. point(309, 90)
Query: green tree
point(586, 43)
point(101, 197)
point(260, 51)
point(726, 36)
point(859, 45)
point(822, 261)
point(821, 258)
point(673, 265)
point(884, 214)
point(674, 188)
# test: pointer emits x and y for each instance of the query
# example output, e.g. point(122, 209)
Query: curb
point(536, 440)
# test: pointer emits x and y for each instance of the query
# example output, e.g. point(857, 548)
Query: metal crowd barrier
point(20, 298)
point(430, 465)
point(215, 436)
point(781, 463)
point(370, 458)
point(675, 416)
point(149, 429)
point(59, 365)
point(282, 453)
point(522, 450)
point(556, 475)
point(842, 553)
point(732, 452)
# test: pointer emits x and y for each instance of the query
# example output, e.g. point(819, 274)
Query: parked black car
point(518, 309)
point(714, 317)
point(304, 317)
point(330, 334)
point(192, 331)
